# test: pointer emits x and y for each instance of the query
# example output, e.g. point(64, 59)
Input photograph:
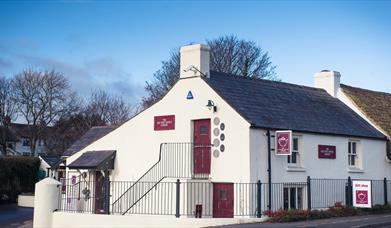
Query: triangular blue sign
point(189, 95)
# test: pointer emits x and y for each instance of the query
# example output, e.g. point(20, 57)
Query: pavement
point(13, 216)
point(381, 220)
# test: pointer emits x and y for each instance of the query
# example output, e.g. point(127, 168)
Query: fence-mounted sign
point(283, 143)
point(325, 151)
point(162, 123)
point(362, 194)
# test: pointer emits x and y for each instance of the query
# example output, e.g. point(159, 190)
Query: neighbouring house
point(215, 135)
point(52, 166)
point(19, 141)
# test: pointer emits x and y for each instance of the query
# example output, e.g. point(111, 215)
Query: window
point(352, 154)
point(293, 198)
point(203, 130)
point(294, 159)
point(26, 142)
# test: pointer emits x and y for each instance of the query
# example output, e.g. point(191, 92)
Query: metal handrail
point(159, 172)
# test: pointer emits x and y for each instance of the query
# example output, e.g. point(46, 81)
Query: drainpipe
point(269, 169)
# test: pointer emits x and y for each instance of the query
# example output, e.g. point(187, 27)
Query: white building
point(219, 130)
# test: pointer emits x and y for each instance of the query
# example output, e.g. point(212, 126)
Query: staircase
point(175, 161)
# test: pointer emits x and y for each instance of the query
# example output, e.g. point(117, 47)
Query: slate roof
point(100, 159)
point(277, 105)
point(52, 161)
point(375, 105)
point(89, 137)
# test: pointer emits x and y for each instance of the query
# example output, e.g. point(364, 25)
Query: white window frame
point(295, 196)
point(354, 153)
point(297, 151)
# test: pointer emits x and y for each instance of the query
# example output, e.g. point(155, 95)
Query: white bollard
point(45, 201)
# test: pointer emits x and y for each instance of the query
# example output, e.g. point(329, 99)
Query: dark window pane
point(295, 144)
point(354, 148)
point(203, 130)
point(223, 194)
point(286, 199)
point(292, 198)
point(294, 157)
point(350, 147)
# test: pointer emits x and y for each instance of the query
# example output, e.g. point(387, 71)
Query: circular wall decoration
point(222, 137)
point(216, 131)
point(216, 153)
point(216, 142)
point(222, 148)
point(222, 126)
point(216, 120)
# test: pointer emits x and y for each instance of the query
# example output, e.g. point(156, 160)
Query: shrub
point(17, 175)
point(338, 210)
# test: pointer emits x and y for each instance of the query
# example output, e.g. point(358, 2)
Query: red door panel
point(202, 141)
point(100, 193)
point(223, 200)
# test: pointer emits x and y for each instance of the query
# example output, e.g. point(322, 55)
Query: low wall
point(26, 200)
point(63, 219)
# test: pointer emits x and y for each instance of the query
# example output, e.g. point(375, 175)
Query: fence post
point(349, 193)
point(259, 198)
point(177, 204)
point(309, 192)
point(385, 191)
point(107, 193)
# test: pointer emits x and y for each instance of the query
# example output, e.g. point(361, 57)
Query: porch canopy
point(97, 160)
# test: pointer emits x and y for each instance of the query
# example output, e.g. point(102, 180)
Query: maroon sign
point(325, 151)
point(283, 143)
point(162, 123)
point(361, 197)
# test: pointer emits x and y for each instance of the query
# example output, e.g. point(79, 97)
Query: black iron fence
point(195, 198)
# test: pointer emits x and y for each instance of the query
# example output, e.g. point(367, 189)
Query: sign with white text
point(162, 123)
point(283, 143)
point(362, 194)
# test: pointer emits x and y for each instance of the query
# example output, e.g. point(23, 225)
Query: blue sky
point(118, 45)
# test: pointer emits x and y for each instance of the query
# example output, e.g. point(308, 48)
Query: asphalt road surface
point(383, 220)
point(14, 216)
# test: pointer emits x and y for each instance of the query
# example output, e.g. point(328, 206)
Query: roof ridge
point(238, 77)
point(373, 91)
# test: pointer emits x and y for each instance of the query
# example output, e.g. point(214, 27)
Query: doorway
point(223, 200)
point(202, 142)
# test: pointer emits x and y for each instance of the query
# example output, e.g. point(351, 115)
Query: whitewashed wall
point(137, 143)
point(374, 164)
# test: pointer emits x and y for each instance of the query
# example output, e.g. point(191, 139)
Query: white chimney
point(329, 81)
point(194, 60)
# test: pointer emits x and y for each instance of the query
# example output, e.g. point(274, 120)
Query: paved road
point(14, 216)
point(383, 220)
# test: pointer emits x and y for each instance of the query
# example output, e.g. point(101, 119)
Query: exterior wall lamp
point(211, 105)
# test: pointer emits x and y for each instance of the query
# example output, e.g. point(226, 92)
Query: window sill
point(355, 170)
point(295, 169)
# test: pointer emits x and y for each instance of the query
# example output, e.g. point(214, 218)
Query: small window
point(26, 142)
point(203, 130)
point(352, 154)
point(294, 159)
point(293, 198)
point(223, 195)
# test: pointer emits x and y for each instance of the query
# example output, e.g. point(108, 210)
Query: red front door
point(202, 146)
point(100, 193)
point(223, 200)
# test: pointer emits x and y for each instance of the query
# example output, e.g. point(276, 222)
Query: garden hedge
point(17, 175)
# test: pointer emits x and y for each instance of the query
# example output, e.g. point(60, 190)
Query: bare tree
point(229, 54)
point(43, 97)
point(68, 129)
point(113, 110)
point(8, 111)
